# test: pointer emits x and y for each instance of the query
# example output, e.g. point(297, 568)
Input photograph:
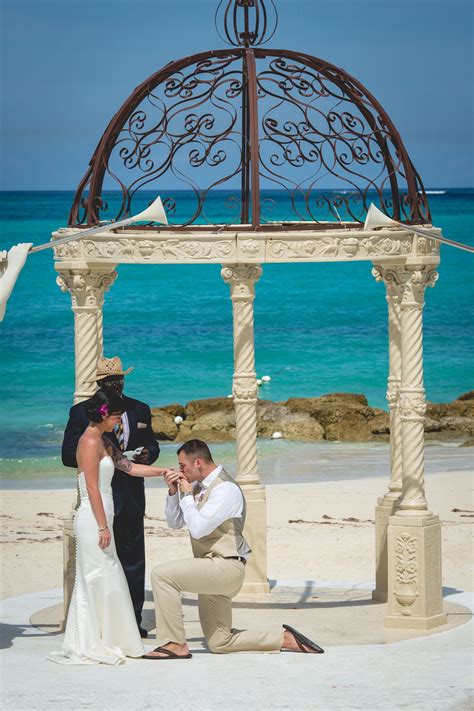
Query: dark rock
point(459, 425)
point(217, 426)
point(275, 417)
point(196, 408)
point(175, 409)
point(344, 416)
point(337, 416)
point(458, 408)
point(467, 396)
point(163, 424)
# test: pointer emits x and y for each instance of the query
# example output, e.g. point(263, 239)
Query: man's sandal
point(168, 655)
point(303, 642)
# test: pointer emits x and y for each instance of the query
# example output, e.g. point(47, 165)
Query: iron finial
point(246, 22)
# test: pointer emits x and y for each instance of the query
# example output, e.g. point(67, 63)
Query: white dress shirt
point(225, 501)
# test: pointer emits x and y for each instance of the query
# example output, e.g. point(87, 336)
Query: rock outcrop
point(336, 416)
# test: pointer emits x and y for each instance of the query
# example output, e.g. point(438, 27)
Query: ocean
point(319, 328)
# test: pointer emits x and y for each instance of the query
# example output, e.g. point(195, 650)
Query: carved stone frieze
point(427, 247)
point(251, 248)
point(141, 250)
point(86, 286)
point(333, 247)
point(195, 245)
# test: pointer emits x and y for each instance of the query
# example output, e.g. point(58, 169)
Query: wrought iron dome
point(253, 136)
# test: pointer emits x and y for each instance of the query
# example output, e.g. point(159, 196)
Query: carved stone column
point(414, 534)
point(242, 279)
point(87, 287)
point(388, 504)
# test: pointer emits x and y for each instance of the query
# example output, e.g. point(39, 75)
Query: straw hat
point(110, 366)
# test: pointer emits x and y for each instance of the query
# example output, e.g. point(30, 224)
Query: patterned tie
point(119, 434)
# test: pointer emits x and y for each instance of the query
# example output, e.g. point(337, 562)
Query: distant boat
point(436, 192)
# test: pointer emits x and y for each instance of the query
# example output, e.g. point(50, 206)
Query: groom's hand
point(171, 477)
point(184, 485)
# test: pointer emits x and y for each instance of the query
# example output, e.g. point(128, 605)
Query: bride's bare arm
point(125, 465)
point(88, 459)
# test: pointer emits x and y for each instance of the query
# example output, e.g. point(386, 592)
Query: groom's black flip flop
point(169, 655)
point(303, 641)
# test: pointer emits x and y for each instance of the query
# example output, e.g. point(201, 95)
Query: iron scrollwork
point(251, 136)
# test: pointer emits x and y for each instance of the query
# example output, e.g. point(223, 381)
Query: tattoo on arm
point(120, 461)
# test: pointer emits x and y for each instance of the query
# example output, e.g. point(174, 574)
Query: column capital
point(86, 286)
point(241, 279)
point(416, 279)
point(406, 283)
point(392, 277)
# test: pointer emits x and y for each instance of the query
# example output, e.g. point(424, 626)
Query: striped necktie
point(119, 434)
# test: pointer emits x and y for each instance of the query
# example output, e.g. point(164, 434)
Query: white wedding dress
point(101, 627)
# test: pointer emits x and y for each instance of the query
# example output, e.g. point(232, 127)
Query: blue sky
point(67, 66)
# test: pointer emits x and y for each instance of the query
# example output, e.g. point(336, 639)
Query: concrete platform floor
point(364, 667)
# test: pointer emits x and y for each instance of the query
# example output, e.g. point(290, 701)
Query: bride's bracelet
point(104, 528)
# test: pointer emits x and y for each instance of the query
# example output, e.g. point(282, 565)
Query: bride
point(101, 625)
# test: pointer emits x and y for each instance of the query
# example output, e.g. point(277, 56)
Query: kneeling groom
point(207, 500)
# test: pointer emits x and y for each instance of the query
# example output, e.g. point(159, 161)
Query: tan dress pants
point(217, 581)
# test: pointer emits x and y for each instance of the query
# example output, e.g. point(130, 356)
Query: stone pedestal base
point(255, 532)
point(414, 572)
point(386, 507)
point(69, 565)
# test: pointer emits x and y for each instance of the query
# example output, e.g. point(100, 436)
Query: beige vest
point(227, 539)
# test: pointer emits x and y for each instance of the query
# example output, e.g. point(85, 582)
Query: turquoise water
point(319, 328)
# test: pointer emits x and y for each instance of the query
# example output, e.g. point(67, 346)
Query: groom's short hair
point(196, 449)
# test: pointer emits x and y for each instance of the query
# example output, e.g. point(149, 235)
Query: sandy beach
point(323, 531)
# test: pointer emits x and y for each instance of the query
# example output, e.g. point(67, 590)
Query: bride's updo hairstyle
point(103, 404)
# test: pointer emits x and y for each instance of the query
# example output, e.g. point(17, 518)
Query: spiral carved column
point(100, 327)
point(412, 393)
point(87, 288)
point(388, 504)
point(242, 279)
point(414, 534)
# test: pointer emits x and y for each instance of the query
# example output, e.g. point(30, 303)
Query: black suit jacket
point(128, 491)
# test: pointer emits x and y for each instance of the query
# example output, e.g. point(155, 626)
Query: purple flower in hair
point(103, 410)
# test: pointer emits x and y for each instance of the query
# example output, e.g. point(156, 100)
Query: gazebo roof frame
point(264, 116)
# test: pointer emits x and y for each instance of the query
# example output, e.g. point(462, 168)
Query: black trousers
point(129, 537)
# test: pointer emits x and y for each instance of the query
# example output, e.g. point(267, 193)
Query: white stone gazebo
point(256, 120)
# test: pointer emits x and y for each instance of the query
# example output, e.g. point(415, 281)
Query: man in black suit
point(128, 491)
